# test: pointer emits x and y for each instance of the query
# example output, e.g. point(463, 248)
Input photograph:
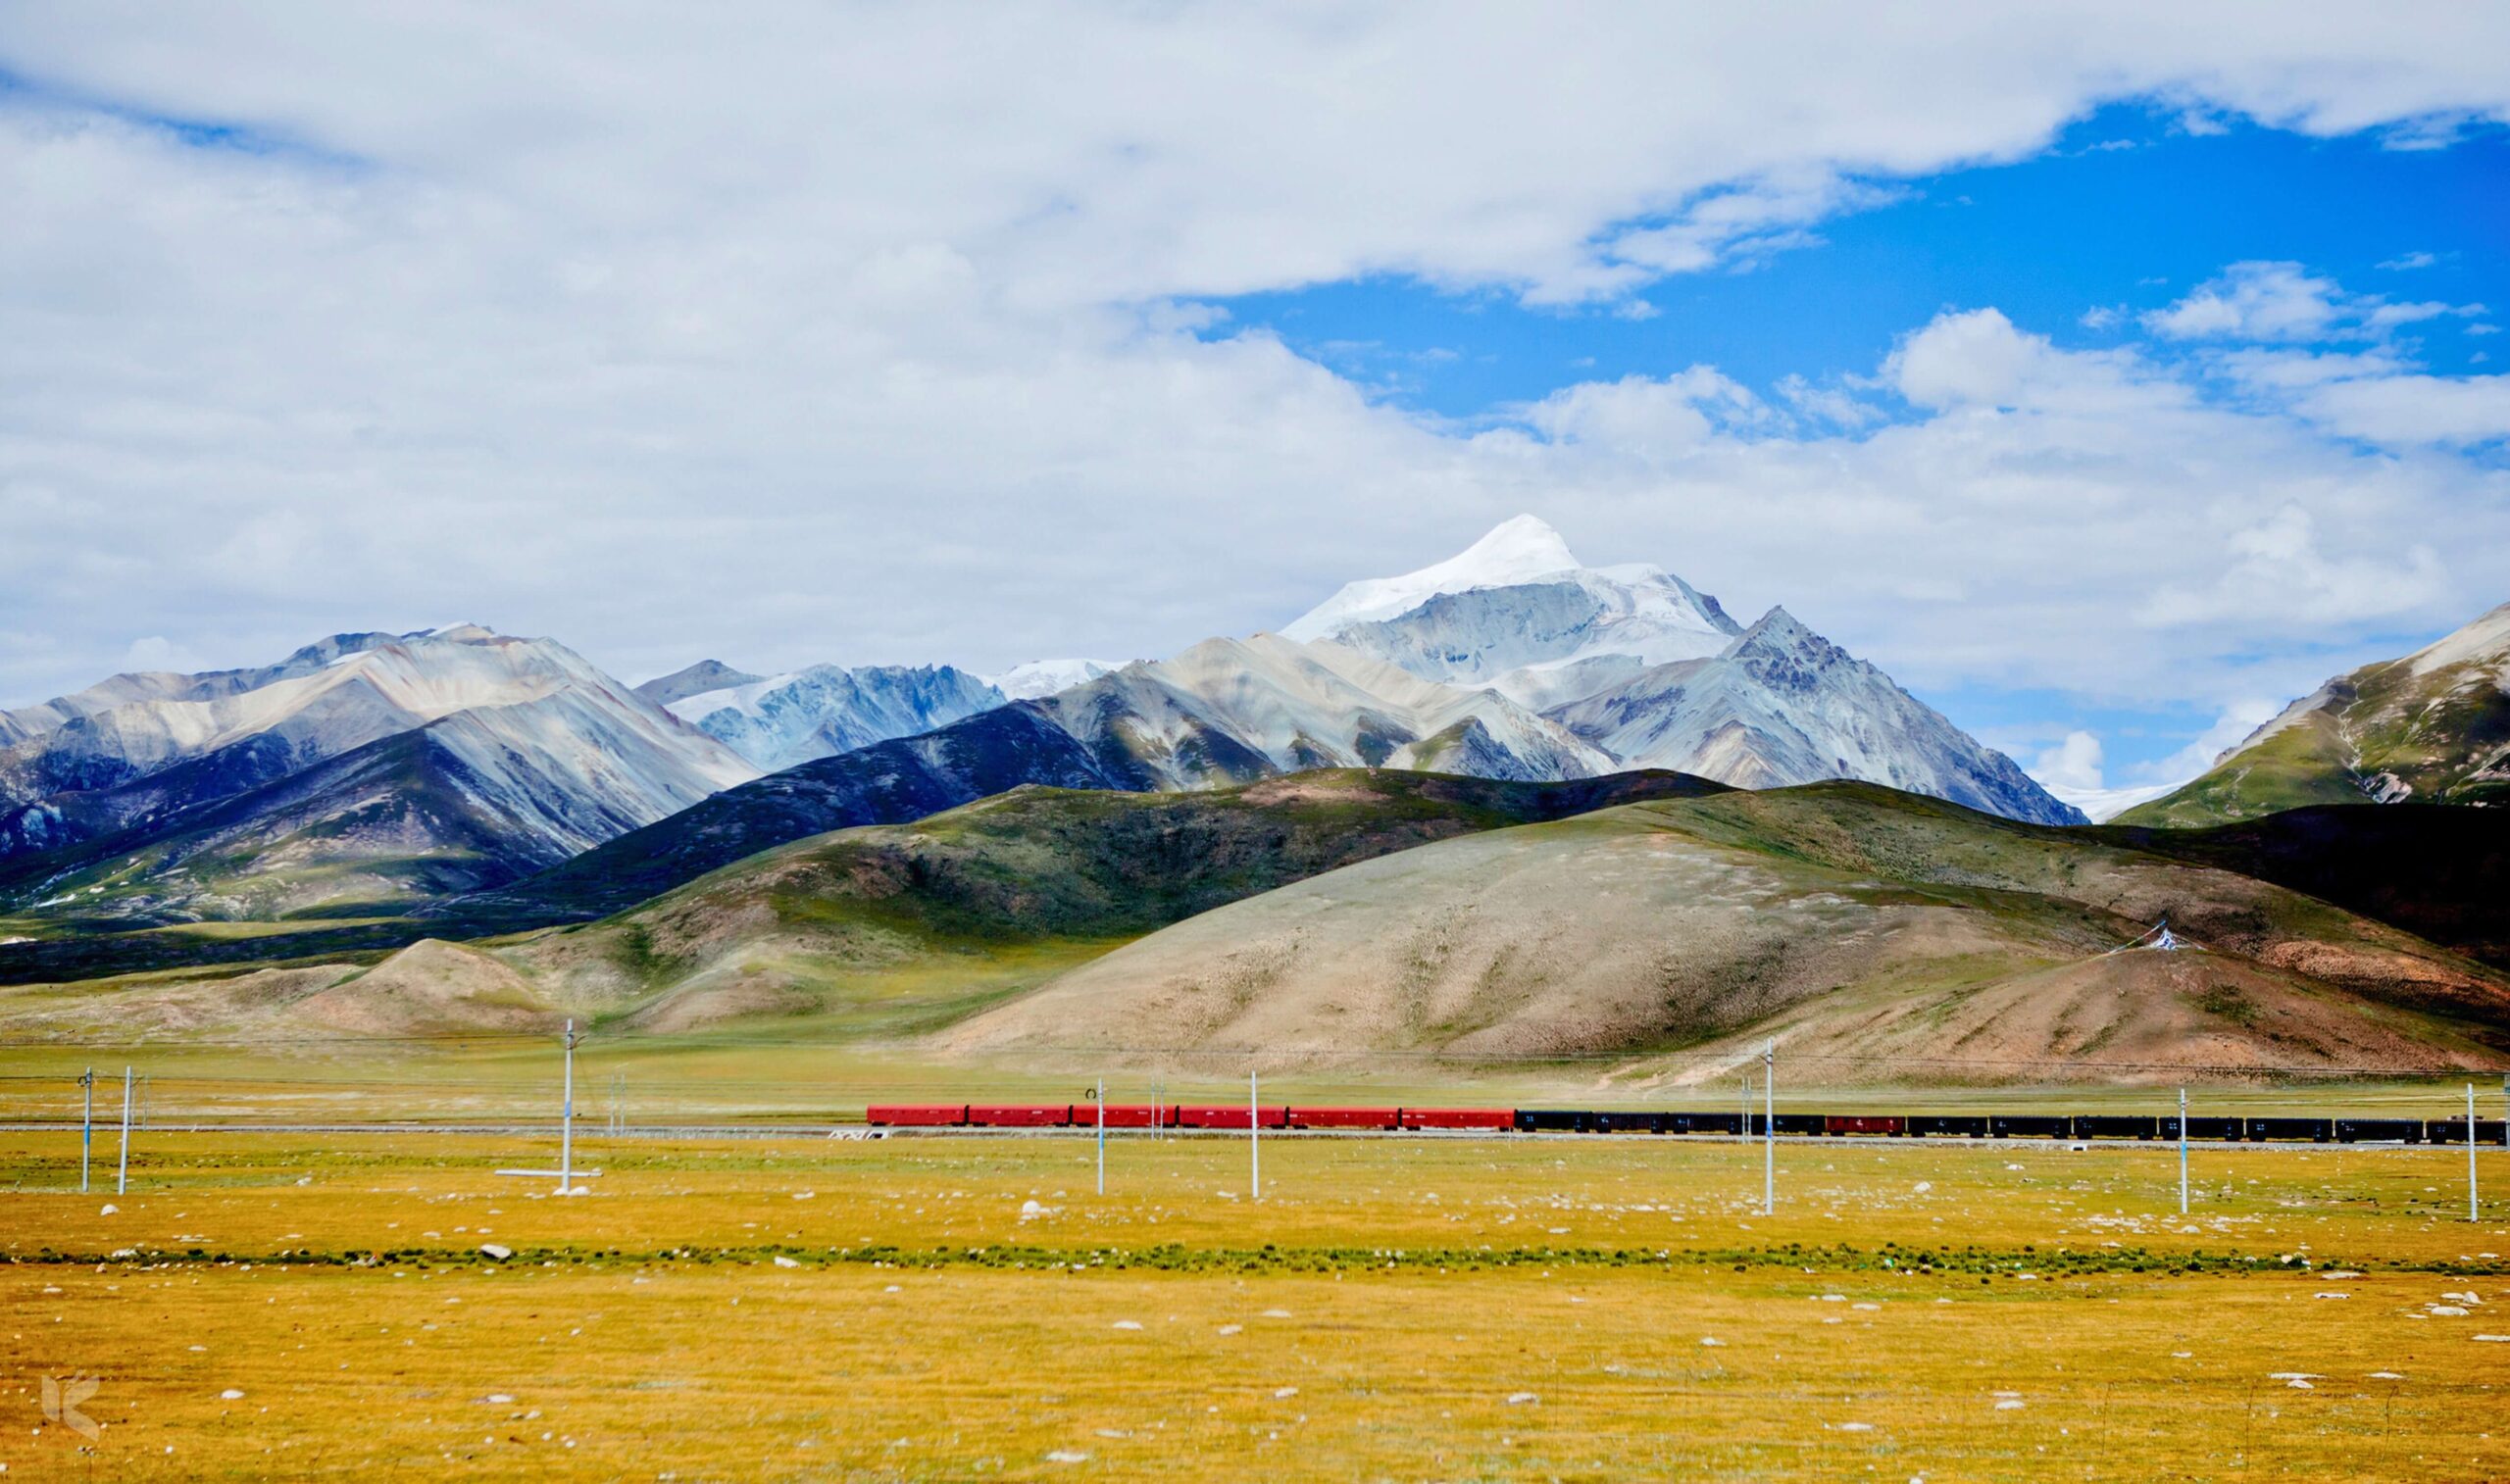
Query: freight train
point(1293, 1117)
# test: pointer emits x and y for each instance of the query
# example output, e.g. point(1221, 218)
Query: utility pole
point(122, 1175)
point(1769, 1164)
point(1254, 1148)
point(2182, 1150)
point(567, 1120)
point(86, 1126)
point(1100, 1098)
point(2472, 1215)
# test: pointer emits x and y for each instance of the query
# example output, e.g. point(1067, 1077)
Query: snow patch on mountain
point(1517, 550)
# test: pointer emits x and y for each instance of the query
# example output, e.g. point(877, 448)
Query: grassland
point(960, 1308)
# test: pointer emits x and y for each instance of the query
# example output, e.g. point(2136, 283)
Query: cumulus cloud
point(2283, 301)
point(2074, 764)
point(868, 333)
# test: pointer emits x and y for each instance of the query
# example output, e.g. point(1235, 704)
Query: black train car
point(2378, 1130)
point(2116, 1127)
point(2227, 1130)
point(2030, 1125)
point(2454, 1131)
point(1538, 1120)
point(1704, 1123)
point(2320, 1130)
point(1625, 1123)
point(1948, 1125)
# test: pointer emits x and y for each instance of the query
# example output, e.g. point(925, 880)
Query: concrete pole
point(1769, 1163)
point(2182, 1150)
point(1254, 1145)
point(1102, 1135)
point(2472, 1214)
point(122, 1175)
point(86, 1127)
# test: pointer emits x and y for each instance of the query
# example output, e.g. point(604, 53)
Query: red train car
point(1458, 1117)
point(1125, 1115)
point(1345, 1117)
point(916, 1115)
point(1017, 1116)
point(1863, 1124)
point(1230, 1115)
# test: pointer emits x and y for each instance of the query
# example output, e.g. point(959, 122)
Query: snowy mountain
point(1043, 677)
point(175, 794)
point(1229, 711)
point(1650, 670)
point(1516, 613)
point(792, 718)
point(1782, 704)
point(2432, 727)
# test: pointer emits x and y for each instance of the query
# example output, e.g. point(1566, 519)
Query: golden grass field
point(1590, 1307)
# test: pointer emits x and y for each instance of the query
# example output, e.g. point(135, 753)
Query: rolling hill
point(881, 931)
point(1876, 935)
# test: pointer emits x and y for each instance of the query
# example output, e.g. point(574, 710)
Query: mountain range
point(387, 773)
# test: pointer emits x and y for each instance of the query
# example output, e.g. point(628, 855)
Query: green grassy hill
point(2432, 727)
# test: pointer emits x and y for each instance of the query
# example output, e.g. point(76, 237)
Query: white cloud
point(856, 334)
point(1647, 417)
point(159, 653)
point(2253, 301)
point(2408, 261)
point(2453, 410)
point(2276, 568)
point(2072, 763)
point(2283, 302)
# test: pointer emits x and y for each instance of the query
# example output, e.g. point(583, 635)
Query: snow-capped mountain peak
point(1516, 551)
point(1032, 679)
point(1515, 612)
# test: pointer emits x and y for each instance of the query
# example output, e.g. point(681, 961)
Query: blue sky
point(855, 334)
point(2126, 208)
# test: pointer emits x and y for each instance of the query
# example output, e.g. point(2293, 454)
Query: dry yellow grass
point(1412, 1310)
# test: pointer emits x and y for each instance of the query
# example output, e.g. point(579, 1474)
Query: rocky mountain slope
point(783, 720)
point(2432, 727)
point(1879, 936)
point(363, 769)
point(1645, 667)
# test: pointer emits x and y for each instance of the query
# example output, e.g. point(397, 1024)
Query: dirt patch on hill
point(432, 988)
